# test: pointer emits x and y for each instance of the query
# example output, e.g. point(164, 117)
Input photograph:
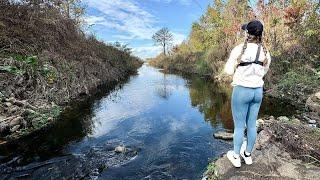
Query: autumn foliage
point(291, 35)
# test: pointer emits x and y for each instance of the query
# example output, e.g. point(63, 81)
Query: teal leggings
point(245, 105)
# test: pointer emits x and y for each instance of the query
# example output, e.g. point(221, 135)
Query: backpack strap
point(258, 54)
point(256, 61)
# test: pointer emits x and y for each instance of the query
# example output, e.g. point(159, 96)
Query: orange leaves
point(292, 15)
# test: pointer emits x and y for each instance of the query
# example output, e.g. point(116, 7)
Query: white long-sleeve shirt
point(250, 75)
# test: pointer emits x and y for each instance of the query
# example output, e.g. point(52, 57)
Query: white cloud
point(183, 2)
point(91, 20)
point(147, 51)
point(123, 37)
point(178, 38)
point(125, 16)
point(151, 50)
point(130, 22)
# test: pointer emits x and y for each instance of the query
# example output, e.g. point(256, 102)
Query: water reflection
point(212, 100)
point(167, 119)
point(163, 90)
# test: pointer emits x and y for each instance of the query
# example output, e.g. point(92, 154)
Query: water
point(166, 121)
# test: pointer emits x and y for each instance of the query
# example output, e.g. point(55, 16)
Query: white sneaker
point(247, 159)
point(236, 161)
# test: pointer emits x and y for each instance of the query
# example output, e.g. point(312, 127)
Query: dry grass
point(45, 57)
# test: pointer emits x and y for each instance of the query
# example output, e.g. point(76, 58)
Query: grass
point(212, 172)
point(40, 119)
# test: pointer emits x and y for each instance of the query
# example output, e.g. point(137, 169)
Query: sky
point(134, 22)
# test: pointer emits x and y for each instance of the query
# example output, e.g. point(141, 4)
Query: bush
point(203, 67)
point(298, 84)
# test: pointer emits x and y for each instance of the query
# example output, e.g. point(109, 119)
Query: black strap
point(256, 61)
point(258, 54)
point(248, 63)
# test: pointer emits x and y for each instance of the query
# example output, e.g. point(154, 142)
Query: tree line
point(292, 35)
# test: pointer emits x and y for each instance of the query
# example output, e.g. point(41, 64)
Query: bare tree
point(163, 37)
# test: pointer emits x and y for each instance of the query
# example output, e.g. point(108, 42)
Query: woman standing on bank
point(248, 63)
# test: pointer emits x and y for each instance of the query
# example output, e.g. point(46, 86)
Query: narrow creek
point(166, 122)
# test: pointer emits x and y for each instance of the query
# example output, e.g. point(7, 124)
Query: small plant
point(48, 72)
point(43, 116)
point(316, 131)
point(12, 70)
point(31, 60)
point(212, 172)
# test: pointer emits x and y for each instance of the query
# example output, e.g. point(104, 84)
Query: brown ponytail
point(265, 61)
point(242, 51)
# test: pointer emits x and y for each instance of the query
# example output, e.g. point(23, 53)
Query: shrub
point(298, 84)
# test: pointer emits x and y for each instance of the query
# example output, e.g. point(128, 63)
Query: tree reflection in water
point(163, 91)
point(212, 100)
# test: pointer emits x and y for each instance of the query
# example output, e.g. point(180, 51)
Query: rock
point(271, 118)
point(311, 121)
point(312, 116)
point(15, 128)
point(283, 118)
point(2, 118)
point(313, 103)
point(312, 125)
point(223, 135)
point(260, 122)
point(120, 149)
point(50, 119)
point(11, 99)
point(317, 95)
point(295, 121)
point(3, 127)
point(8, 104)
point(204, 178)
point(29, 111)
point(13, 109)
point(263, 137)
point(15, 121)
point(306, 117)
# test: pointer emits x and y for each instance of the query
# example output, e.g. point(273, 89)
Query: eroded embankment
point(45, 62)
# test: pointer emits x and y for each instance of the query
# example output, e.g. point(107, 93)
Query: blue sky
point(135, 21)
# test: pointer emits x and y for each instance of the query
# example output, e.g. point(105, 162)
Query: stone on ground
point(223, 135)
